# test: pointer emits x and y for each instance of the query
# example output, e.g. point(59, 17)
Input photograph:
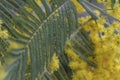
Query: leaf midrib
point(44, 21)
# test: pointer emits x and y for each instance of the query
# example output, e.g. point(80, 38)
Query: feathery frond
point(42, 32)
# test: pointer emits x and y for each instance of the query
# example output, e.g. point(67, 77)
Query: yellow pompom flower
point(4, 34)
point(79, 8)
point(83, 20)
point(115, 11)
point(54, 64)
point(71, 54)
point(82, 75)
point(97, 12)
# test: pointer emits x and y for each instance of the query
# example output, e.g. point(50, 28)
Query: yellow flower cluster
point(106, 42)
point(115, 11)
point(106, 51)
point(80, 68)
point(83, 20)
point(112, 8)
point(54, 64)
point(3, 34)
point(79, 8)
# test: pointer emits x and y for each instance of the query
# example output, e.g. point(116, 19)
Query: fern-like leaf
point(42, 33)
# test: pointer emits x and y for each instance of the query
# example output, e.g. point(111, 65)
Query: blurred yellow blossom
point(54, 64)
point(97, 12)
point(3, 33)
point(115, 12)
point(79, 8)
point(106, 49)
point(83, 20)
